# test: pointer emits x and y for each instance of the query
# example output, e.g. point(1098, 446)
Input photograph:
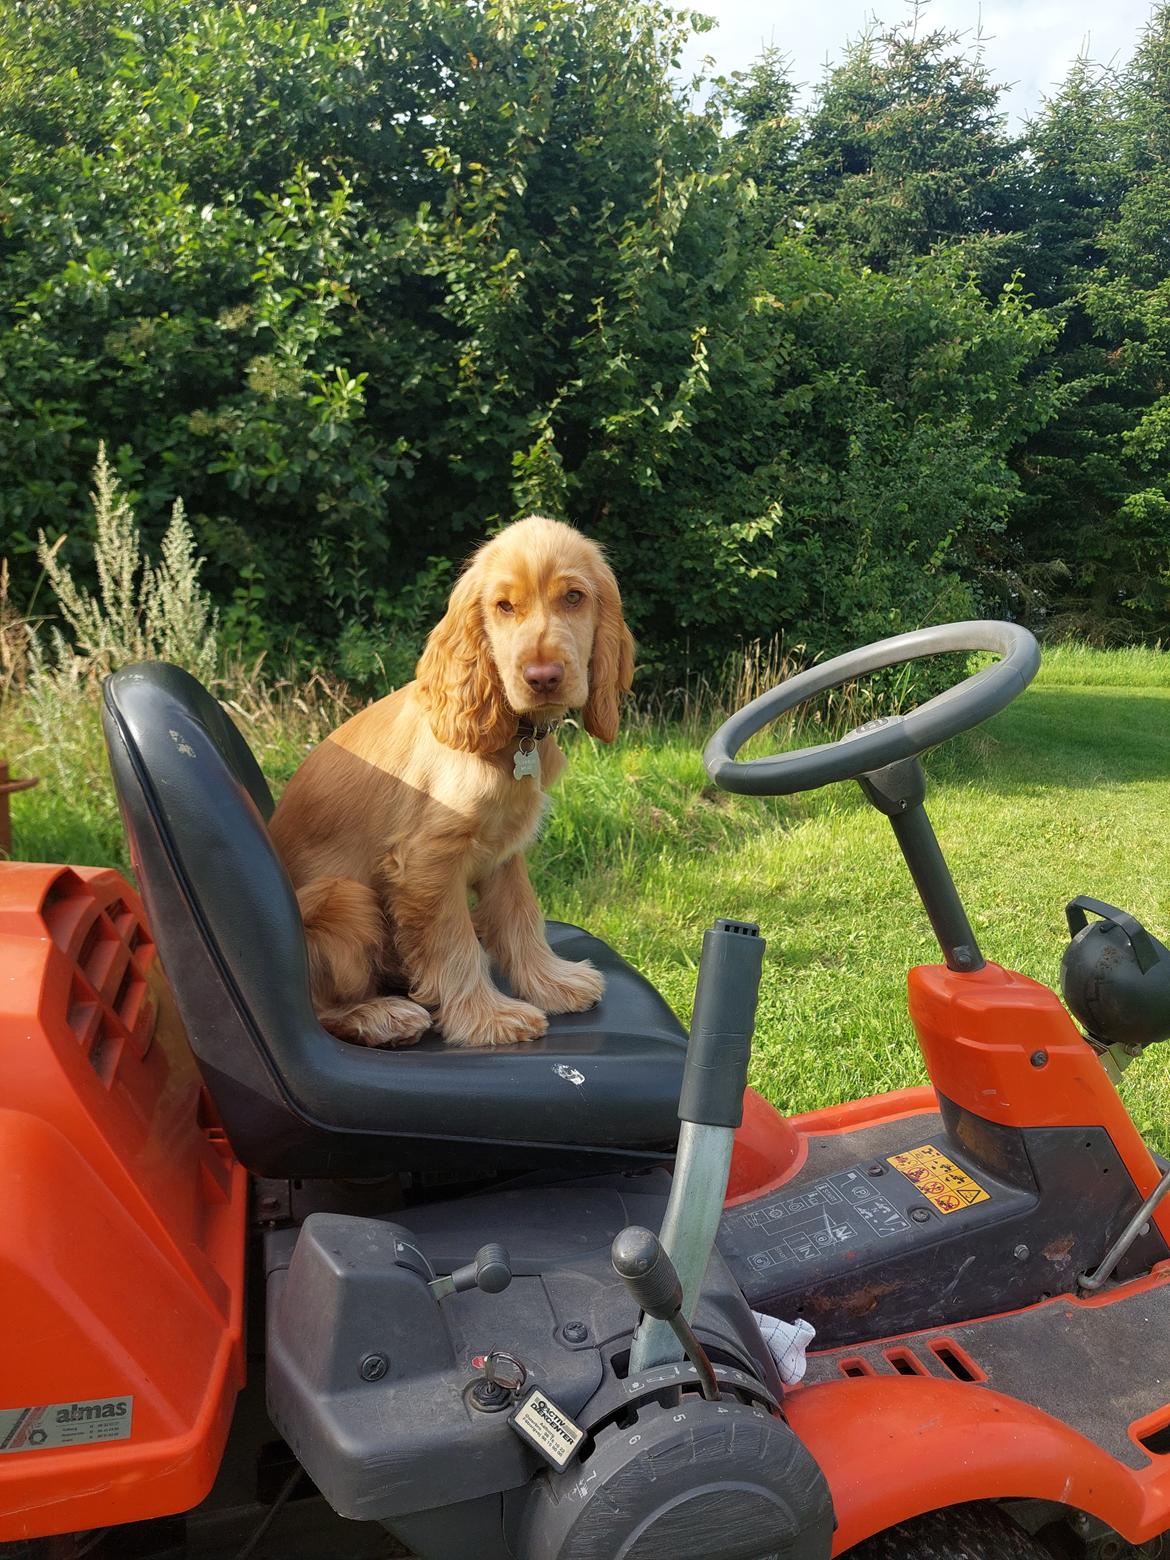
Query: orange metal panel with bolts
point(895, 1448)
point(997, 1044)
point(1002, 1047)
point(122, 1243)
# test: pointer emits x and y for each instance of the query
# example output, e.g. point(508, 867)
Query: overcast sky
point(1027, 42)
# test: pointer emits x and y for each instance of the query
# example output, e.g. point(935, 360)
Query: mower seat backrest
point(599, 1090)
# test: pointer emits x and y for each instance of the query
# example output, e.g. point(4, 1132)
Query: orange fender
point(892, 1449)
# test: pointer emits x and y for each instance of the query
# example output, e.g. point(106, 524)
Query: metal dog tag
point(527, 760)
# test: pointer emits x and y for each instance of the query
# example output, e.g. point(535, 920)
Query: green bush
point(363, 281)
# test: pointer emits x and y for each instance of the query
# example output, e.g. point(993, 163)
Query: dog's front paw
point(561, 986)
point(384, 1021)
point(504, 1022)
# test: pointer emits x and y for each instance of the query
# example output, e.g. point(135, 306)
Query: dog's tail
point(345, 932)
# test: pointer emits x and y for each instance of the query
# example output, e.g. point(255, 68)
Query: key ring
point(512, 1381)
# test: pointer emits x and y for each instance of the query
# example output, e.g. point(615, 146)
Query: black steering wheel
point(883, 741)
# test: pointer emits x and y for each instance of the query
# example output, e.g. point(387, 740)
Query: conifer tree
point(1091, 537)
point(906, 150)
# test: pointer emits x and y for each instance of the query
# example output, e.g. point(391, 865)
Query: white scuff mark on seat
point(569, 1074)
point(184, 747)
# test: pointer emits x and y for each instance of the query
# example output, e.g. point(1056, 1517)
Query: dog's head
point(534, 627)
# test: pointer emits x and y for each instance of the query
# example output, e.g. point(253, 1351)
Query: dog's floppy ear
point(457, 676)
point(611, 667)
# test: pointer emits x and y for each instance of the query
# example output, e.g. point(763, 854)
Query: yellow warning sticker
point(939, 1179)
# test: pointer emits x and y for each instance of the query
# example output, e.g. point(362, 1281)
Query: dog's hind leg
point(345, 932)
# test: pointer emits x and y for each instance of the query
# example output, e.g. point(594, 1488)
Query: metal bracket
point(1098, 1279)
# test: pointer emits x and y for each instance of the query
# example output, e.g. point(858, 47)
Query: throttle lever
point(638, 1257)
point(490, 1270)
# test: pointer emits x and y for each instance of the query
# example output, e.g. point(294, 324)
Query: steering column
point(883, 754)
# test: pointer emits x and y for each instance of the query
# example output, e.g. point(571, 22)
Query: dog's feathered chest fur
point(382, 783)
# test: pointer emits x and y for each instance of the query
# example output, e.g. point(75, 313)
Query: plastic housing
point(122, 1241)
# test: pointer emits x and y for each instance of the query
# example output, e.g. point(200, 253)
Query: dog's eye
point(505, 607)
point(574, 598)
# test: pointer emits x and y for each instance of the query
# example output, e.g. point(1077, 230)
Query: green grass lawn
point(1066, 792)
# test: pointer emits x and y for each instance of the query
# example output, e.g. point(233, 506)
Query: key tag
point(537, 1420)
point(527, 760)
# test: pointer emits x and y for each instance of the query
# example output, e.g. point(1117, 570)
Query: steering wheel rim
point(892, 737)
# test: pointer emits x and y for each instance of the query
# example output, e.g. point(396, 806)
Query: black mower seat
point(601, 1089)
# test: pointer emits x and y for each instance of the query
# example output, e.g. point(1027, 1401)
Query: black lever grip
point(638, 1257)
point(490, 1270)
point(724, 1017)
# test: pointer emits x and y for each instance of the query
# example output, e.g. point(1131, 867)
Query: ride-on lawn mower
point(501, 1305)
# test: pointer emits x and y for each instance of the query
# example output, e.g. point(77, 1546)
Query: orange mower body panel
point(122, 1245)
point(122, 1240)
point(894, 1446)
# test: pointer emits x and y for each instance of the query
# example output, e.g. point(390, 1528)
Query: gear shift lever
point(710, 1108)
point(638, 1257)
point(490, 1270)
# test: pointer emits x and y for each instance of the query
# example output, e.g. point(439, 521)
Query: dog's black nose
point(544, 676)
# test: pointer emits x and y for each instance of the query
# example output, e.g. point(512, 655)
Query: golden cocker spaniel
point(431, 796)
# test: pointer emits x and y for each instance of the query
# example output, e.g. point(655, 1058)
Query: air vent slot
point(856, 1367)
point(956, 1360)
point(64, 907)
point(109, 951)
point(905, 1363)
point(100, 955)
point(1157, 1440)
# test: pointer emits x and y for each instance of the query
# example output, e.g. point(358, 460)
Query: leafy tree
point(359, 282)
point(767, 138)
point(899, 399)
point(905, 150)
point(898, 392)
point(1090, 545)
point(1129, 301)
point(1075, 181)
point(372, 272)
point(1071, 485)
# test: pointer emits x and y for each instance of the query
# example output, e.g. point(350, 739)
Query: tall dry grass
point(52, 667)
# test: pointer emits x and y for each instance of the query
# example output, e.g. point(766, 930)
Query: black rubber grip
point(638, 1257)
point(493, 1269)
point(720, 1046)
point(490, 1270)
